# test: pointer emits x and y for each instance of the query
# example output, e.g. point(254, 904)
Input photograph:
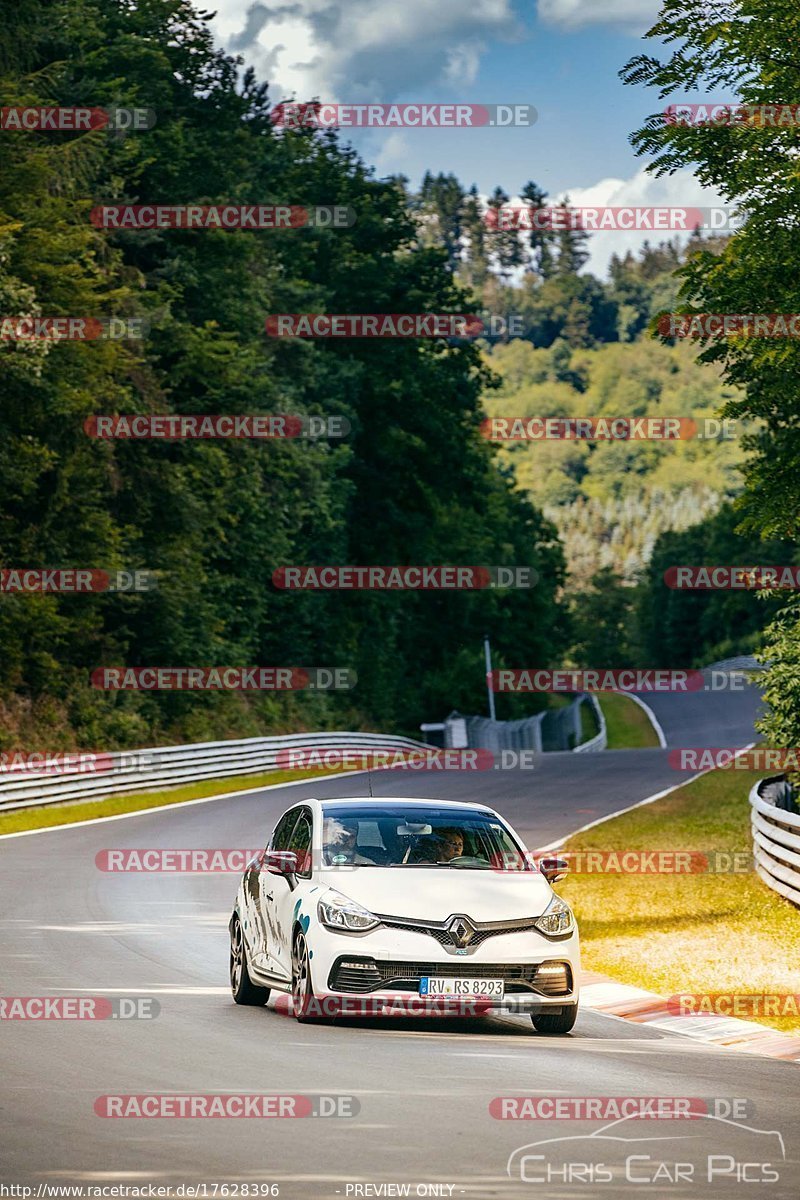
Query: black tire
point(553, 1023)
point(243, 990)
point(304, 1003)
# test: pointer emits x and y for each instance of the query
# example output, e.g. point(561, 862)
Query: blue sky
point(562, 56)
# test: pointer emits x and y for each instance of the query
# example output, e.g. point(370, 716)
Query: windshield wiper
point(419, 864)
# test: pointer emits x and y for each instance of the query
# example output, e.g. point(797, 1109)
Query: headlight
point(339, 912)
point(557, 919)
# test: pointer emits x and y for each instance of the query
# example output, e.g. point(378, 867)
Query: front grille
point(437, 929)
point(371, 974)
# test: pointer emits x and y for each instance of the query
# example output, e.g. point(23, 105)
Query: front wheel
point(304, 1003)
point(553, 1023)
point(243, 989)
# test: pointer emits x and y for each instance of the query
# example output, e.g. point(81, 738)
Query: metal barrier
point(553, 729)
point(776, 841)
point(167, 766)
point(119, 772)
point(600, 739)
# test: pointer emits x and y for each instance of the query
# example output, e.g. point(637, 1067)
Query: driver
point(339, 843)
point(449, 844)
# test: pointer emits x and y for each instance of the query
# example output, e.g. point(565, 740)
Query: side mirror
point(280, 862)
point(554, 868)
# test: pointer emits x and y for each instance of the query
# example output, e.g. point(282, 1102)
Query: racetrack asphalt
point(422, 1086)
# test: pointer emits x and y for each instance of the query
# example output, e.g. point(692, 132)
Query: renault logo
point(461, 930)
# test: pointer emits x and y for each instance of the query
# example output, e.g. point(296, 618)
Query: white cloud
point(681, 190)
point(674, 191)
point(359, 50)
point(391, 154)
point(571, 14)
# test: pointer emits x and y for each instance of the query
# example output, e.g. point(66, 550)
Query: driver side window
point(282, 832)
point(301, 844)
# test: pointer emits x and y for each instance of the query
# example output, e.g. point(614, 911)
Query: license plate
point(449, 985)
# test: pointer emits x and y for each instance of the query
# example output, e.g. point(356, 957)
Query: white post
point(487, 651)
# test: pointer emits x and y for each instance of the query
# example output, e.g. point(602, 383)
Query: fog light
point(553, 978)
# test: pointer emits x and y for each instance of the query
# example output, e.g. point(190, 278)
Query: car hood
point(435, 893)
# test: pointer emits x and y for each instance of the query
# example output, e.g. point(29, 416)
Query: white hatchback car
point(406, 903)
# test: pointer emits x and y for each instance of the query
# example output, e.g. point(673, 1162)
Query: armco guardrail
point(600, 739)
point(776, 842)
point(167, 766)
point(553, 729)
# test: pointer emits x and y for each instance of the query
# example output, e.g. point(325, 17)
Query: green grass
point(589, 724)
point(86, 810)
point(628, 726)
point(695, 932)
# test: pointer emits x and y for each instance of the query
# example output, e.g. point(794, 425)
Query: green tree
point(747, 48)
point(504, 244)
point(475, 268)
point(440, 204)
point(540, 240)
point(413, 483)
point(573, 252)
point(693, 628)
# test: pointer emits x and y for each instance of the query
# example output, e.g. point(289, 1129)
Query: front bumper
point(385, 966)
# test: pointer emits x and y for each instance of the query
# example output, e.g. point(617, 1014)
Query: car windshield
point(418, 836)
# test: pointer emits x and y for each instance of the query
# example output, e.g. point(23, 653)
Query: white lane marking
point(148, 991)
point(639, 804)
point(481, 1054)
point(141, 812)
point(654, 721)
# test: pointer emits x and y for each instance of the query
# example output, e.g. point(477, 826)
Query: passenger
point(339, 843)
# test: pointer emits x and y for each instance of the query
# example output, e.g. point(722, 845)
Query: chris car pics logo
point(717, 1154)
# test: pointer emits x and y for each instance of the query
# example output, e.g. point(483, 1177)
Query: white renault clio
point(401, 900)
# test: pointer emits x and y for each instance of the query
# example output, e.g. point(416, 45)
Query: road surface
point(422, 1087)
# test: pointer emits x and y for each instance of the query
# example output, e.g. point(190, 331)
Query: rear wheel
point(243, 989)
point(556, 1022)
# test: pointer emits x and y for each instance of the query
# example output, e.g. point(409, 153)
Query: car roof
point(392, 801)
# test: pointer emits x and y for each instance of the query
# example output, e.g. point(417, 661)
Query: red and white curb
point(647, 1008)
